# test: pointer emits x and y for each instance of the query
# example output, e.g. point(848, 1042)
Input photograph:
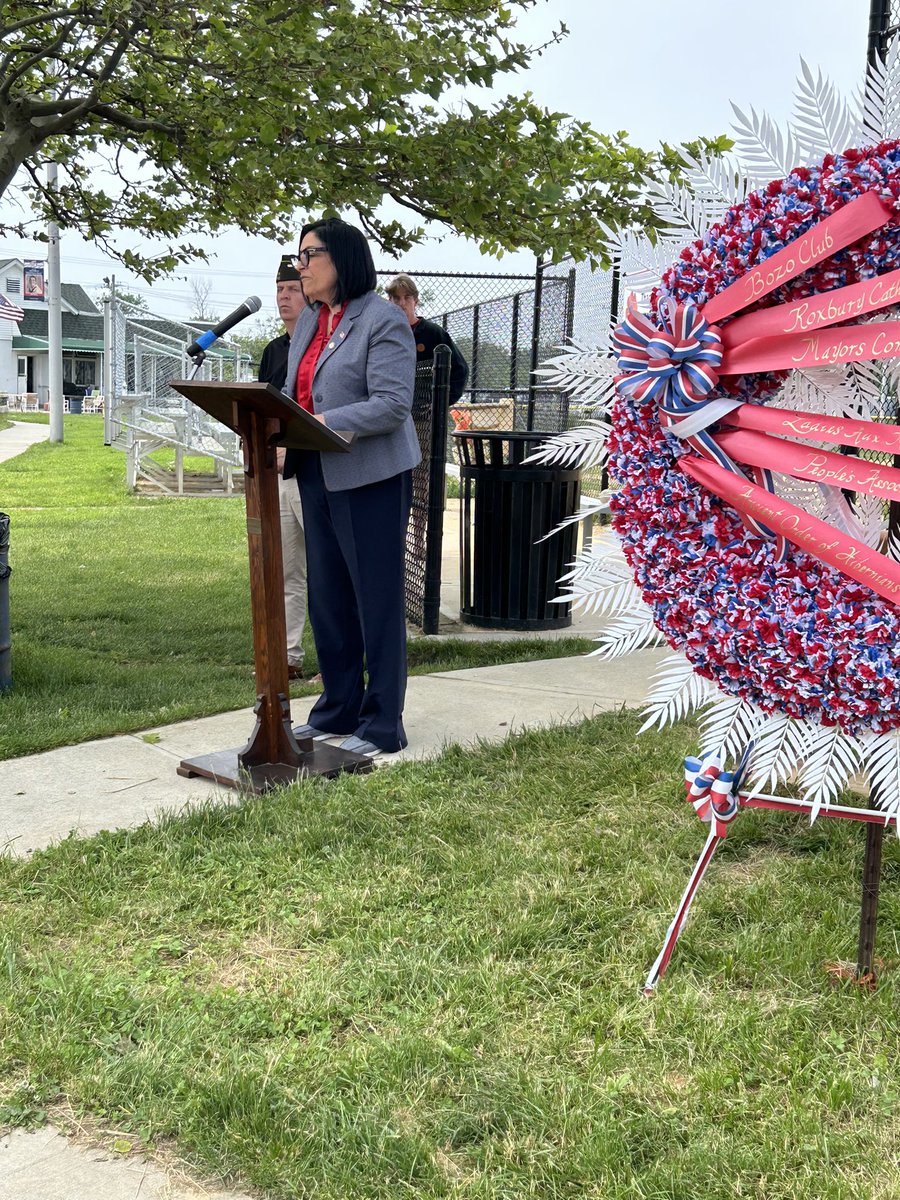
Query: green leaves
point(256, 114)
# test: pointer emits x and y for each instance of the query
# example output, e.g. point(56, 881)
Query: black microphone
point(251, 305)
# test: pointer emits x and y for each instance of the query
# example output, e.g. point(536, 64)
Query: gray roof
point(77, 326)
point(77, 298)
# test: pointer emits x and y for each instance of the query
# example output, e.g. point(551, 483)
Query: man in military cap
point(273, 369)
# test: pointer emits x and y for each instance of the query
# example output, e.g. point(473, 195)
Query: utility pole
point(54, 320)
point(882, 28)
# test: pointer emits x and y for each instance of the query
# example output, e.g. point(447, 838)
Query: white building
point(24, 365)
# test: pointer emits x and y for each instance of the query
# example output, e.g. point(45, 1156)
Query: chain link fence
point(155, 426)
point(507, 325)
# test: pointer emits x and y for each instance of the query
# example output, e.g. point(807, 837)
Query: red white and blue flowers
point(795, 636)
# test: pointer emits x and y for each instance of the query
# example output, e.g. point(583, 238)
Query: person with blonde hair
point(403, 292)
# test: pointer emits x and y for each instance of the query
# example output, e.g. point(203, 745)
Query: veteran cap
point(286, 269)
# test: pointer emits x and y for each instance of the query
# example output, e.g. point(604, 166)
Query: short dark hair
point(350, 255)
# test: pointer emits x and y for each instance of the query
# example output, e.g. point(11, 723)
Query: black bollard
point(5, 634)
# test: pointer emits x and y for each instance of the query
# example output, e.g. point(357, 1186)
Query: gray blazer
point(363, 384)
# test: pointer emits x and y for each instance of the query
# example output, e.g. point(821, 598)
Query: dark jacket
point(428, 337)
point(273, 364)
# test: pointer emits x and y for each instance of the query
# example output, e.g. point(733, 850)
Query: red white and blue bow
point(676, 365)
point(712, 791)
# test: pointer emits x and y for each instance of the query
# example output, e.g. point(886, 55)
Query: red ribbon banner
point(813, 427)
point(841, 344)
point(803, 462)
point(815, 312)
point(846, 554)
point(850, 223)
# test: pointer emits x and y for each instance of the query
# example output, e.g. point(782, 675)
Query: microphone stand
point(198, 360)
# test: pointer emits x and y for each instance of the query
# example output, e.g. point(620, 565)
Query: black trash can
point(76, 401)
point(508, 576)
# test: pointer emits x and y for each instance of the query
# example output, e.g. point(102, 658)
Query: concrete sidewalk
point(19, 438)
point(121, 782)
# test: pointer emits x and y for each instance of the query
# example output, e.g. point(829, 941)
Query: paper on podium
point(223, 400)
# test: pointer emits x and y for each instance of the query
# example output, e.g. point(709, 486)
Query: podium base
point(223, 767)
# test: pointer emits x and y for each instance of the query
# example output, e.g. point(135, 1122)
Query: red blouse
point(311, 355)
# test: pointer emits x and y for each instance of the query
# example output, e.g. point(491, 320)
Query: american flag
point(10, 311)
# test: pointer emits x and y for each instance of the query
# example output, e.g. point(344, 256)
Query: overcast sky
point(656, 69)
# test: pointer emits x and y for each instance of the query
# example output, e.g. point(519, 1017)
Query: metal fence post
point(880, 34)
point(514, 345)
point(535, 342)
point(5, 627)
point(437, 470)
point(473, 361)
point(570, 305)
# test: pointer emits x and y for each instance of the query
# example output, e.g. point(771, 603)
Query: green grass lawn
point(426, 983)
point(129, 611)
point(422, 983)
point(193, 463)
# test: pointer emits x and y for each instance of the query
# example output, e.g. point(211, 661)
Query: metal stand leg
point(868, 913)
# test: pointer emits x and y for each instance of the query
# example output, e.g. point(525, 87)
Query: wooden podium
point(265, 419)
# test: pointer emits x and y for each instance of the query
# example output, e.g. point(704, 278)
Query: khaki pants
point(293, 552)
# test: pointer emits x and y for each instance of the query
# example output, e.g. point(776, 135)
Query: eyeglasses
point(302, 259)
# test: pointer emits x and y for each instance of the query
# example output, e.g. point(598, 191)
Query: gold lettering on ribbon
point(855, 558)
point(818, 469)
point(852, 557)
point(822, 351)
point(810, 428)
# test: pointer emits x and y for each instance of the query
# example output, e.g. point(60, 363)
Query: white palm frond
point(628, 633)
point(685, 213)
point(864, 385)
point(591, 506)
point(824, 122)
point(779, 752)
point(879, 99)
point(603, 584)
point(763, 147)
point(643, 263)
point(834, 391)
point(831, 758)
point(837, 512)
point(728, 725)
point(870, 515)
point(881, 764)
point(676, 691)
point(581, 447)
point(598, 562)
point(587, 373)
point(612, 242)
point(893, 548)
point(718, 178)
point(801, 492)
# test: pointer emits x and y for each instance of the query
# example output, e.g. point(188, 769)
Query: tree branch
point(8, 30)
point(134, 124)
point(39, 56)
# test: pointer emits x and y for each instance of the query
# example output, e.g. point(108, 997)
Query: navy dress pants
point(355, 553)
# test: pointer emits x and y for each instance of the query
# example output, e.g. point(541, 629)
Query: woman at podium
point(352, 364)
